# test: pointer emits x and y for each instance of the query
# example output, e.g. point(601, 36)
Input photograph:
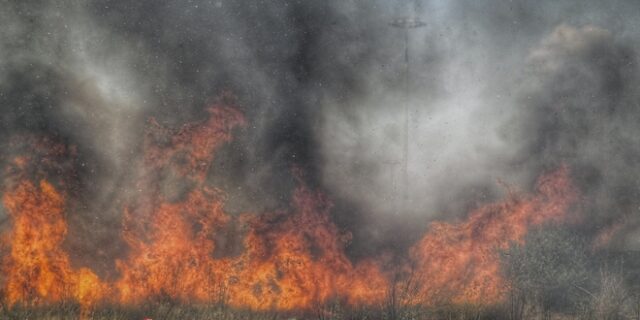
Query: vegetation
point(555, 274)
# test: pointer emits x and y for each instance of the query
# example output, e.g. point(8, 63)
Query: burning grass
point(294, 260)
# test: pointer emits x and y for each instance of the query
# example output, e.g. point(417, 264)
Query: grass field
point(170, 311)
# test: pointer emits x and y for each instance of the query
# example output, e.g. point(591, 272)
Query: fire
point(171, 243)
point(293, 259)
point(460, 262)
point(37, 270)
point(296, 260)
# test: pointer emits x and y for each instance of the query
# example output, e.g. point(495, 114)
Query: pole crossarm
point(407, 23)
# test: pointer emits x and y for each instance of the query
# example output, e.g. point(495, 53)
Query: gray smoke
point(499, 91)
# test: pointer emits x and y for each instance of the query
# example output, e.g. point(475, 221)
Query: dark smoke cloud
point(584, 109)
point(499, 91)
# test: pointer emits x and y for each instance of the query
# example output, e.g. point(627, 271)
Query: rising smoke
point(499, 91)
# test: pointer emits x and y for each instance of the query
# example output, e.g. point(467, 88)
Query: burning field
point(228, 160)
point(292, 259)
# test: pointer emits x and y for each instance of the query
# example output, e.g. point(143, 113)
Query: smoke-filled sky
point(499, 92)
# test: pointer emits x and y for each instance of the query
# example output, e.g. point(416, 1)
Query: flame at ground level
point(37, 270)
point(293, 259)
point(460, 262)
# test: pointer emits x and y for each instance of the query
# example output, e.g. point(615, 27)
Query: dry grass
point(169, 311)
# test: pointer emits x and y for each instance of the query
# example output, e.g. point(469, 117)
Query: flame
point(171, 243)
point(293, 259)
point(37, 270)
point(459, 261)
point(608, 233)
point(296, 260)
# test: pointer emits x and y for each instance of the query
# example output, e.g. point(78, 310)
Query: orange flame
point(296, 260)
point(171, 244)
point(460, 261)
point(37, 269)
point(292, 259)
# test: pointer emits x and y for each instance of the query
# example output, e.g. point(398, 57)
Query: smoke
point(517, 90)
point(499, 91)
point(584, 110)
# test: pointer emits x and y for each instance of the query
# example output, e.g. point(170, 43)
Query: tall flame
point(171, 243)
point(37, 270)
point(459, 261)
point(297, 260)
point(292, 259)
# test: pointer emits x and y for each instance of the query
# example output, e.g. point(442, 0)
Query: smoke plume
point(498, 91)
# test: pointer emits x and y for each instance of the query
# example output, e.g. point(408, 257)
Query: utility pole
point(406, 24)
